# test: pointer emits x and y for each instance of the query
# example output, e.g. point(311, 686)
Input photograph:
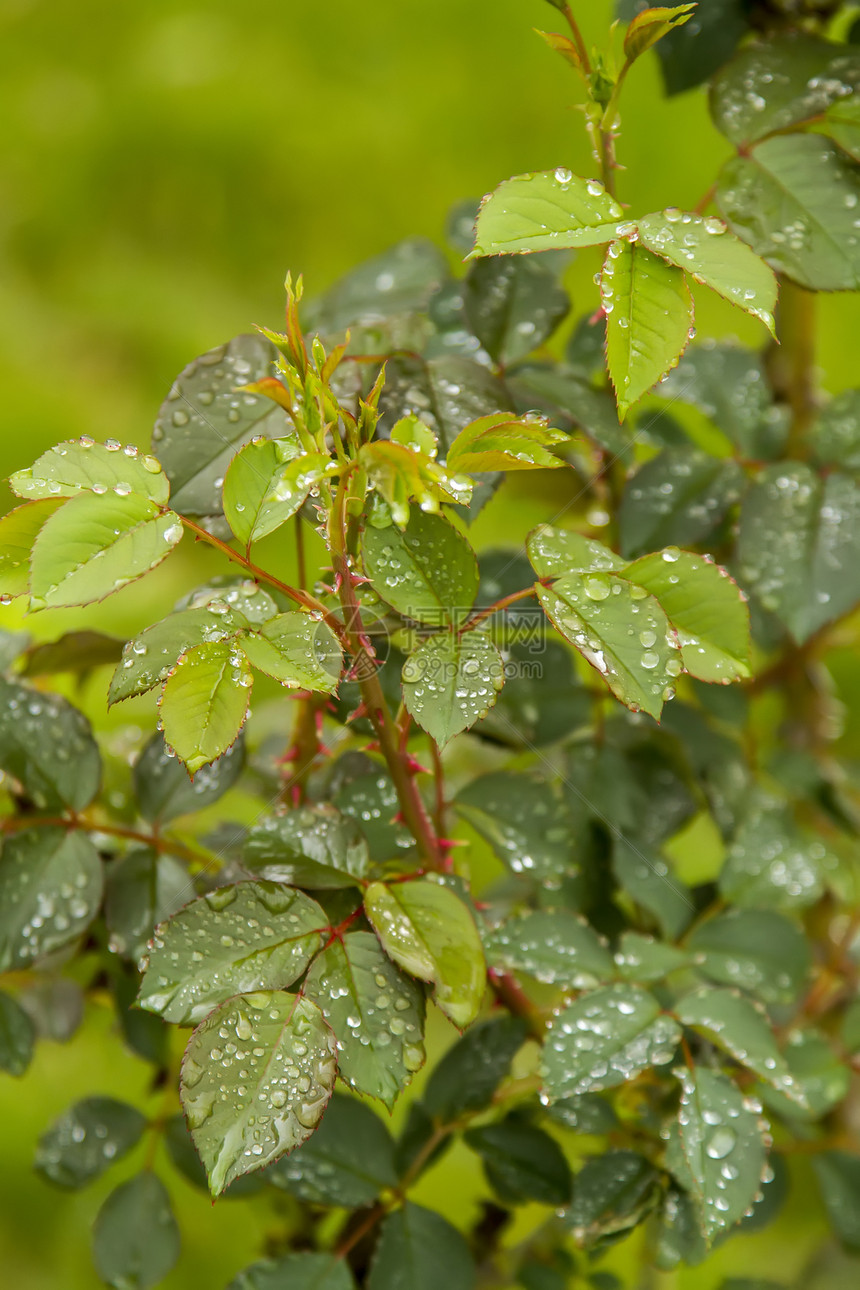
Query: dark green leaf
point(420, 1249)
point(524, 821)
point(135, 1237)
point(371, 800)
point(838, 1175)
point(427, 572)
point(522, 1162)
point(143, 888)
point(758, 950)
point(375, 1011)
point(605, 1038)
point(771, 863)
point(165, 790)
point(820, 1078)
point(641, 958)
point(180, 1149)
point(298, 1271)
point(47, 745)
point(730, 386)
point(234, 940)
point(86, 1141)
point(586, 1113)
point(76, 652)
point(401, 280)
point(680, 1238)
point(678, 498)
point(835, 436)
point(311, 846)
point(611, 1194)
point(734, 1024)
point(347, 1162)
point(17, 1036)
point(572, 401)
point(451, 681)
point(649, 882)
point(256, 1078)
point(50, 890)
point(466, 1078)
point(512, 306)
point(554, 946)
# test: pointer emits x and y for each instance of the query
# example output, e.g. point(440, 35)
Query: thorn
point(414, 767)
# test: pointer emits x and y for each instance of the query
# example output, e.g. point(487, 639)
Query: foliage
point(699, 1026)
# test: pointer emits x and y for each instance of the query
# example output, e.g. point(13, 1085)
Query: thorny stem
point(577, 39)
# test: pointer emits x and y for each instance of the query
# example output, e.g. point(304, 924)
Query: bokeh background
point(162, 166)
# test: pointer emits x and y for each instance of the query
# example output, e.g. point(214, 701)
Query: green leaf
point(150, 657)
point(680, 1239)
point(310, 846)
point(246, 1108)
point(652, 25)
point(18, 531)
point(569, 398)
point(94, 546)
point(730, 386)
point(430, 933)
point(347, 1162)
point(135, 1237)
point(77, 652)
point(545, 212)
point(781, 82)
point(234, 940)
point(371, 800)
point(649, 319)
point(298, 1271)
point(204, 420)
point(86, 1140)
point(793, 199)
point(553, 946)
point(650, 883)
point(690, 54)
point(204, 702)
point(741, 1029)
point(17, 1037)
point(427, 572)
point(296, 650)
point(641, 958)
point(621, 631)
point(677, 498)
point(799, 545)
point(838, 1174)
point(185, 1159)
point(835, 436)
point(705, 608)
point(611, 1194)
point(501, 442)
point(770, 863)
point(842, 123)
point(821, 1080)
point(606, 1038)
point(375, 1011)
point(466, 1077)
point(143, 889)
point(555, 551)
point(47, 745)
point(719, 1150)
point(83, 466)
point(164, 789)
point(420, 1249)
point(588, 1113)
point(399, 281)
point(451, 681)
point(262, 488)
point(704, 248)
point(50, 891)
point(522, 1162)
point(525, 822)
point(758, 950)
point(512, 306)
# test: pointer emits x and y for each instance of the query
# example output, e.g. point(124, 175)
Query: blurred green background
point(161, 167)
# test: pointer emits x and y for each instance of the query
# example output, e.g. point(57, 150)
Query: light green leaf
point(676, 499)
point(93, 546)
point(17, 1037)
point(451, 681)
point(150, 657)
point(164, 789)
point(649, 319)
point(502, 442)
point(770, 863)
point(420, 1249)
point(758, 950)
point(641, 958)
point(234, 940)
point(554, 946)
point(544, 212)
point(135, 1237)
point(83, 466)
point(86, 1140)
point(741, 1029)
point(712, 255)
point(781, 82)
point(566, 397)
point(48, 746)
point(298, 1271)
point(606, 1038)
point(50, 891)
point(204, 420)
point(719, 1152)
point(794, 198)
point(375, 1011)
point(18, 532)
point(799, 545)
point(205, 701)
point(527, 824)
point(705, 608)
point(251, 1109)
point(143, 888)
point(621, 631)
point(296, 650)
point(427, 572)
point(512, 306)
point(555, 551)
point(430, 933)
point(347, 1162)
point(652, 25)
point(259, 495)
point(309, 846)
